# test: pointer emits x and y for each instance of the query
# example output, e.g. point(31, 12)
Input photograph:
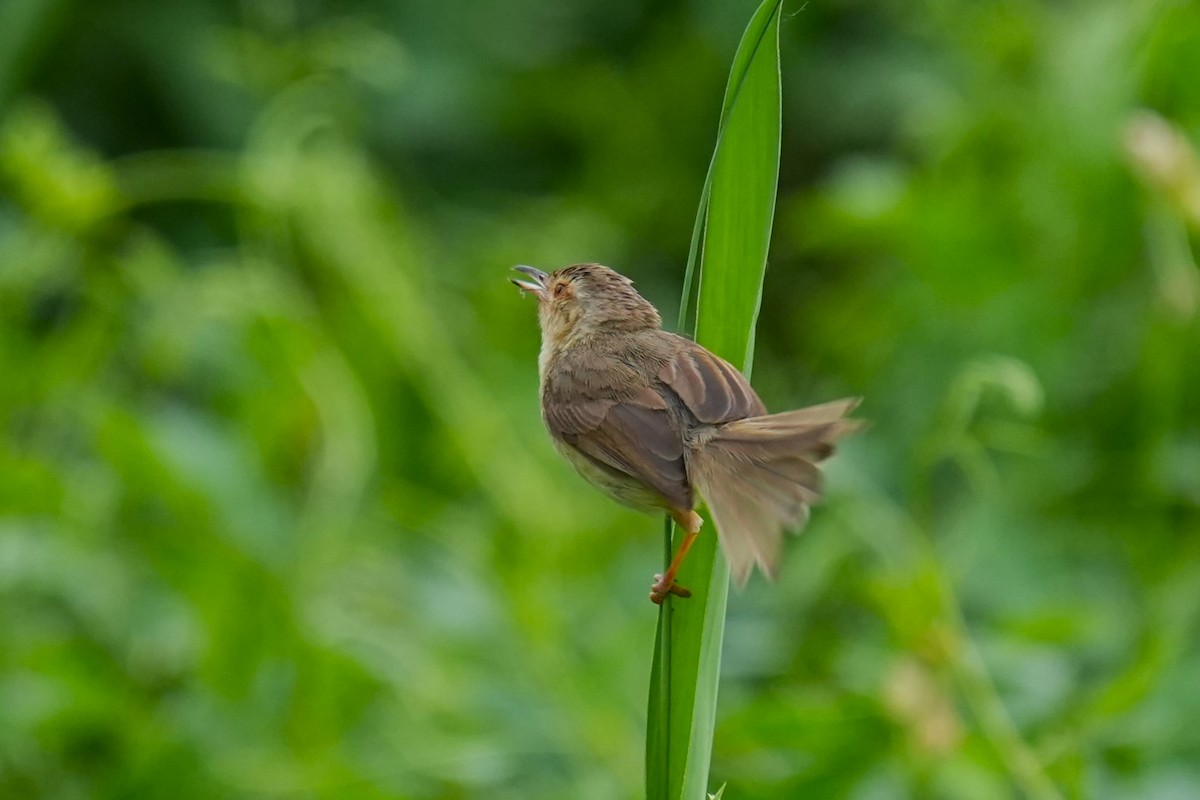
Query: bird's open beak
point(538, 287)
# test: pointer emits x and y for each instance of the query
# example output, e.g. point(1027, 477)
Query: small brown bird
point(654, 420)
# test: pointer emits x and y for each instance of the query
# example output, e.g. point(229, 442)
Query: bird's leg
point(664, 584)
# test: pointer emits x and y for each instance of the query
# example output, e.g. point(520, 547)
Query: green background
point(277, 514)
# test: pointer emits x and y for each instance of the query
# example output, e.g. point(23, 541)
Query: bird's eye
point(559, 289)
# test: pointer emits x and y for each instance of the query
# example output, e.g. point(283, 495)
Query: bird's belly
point(617, 485)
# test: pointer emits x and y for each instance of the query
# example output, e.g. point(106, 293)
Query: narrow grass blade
point(729, 247)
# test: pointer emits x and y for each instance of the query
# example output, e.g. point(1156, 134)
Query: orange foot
point(663, 587)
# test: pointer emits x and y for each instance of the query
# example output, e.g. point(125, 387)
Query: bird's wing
point(709, 386)
point(636, 436)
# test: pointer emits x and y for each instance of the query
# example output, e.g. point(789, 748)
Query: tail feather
point(758, 477)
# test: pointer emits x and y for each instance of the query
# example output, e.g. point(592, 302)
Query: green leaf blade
point(729, 247)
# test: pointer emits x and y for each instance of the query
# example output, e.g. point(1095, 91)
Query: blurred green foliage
point(277, 515)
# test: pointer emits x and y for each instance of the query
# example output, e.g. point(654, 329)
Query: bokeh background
point(277, 515)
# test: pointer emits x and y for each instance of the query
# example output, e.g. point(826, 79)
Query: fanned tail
point(759, 476)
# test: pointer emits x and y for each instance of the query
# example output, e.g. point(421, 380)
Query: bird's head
point(582, 300)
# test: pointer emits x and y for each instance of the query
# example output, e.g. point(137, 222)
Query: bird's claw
point(662, 588)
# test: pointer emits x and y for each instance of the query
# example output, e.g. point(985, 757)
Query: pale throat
point(558, 336)
point(545, 357)
point(555, 340)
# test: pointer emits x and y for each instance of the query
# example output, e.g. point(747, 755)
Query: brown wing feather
point(636, 437)
point(577, 417)
point(710, 387)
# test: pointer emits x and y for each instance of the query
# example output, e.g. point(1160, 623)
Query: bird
point(659, 423)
